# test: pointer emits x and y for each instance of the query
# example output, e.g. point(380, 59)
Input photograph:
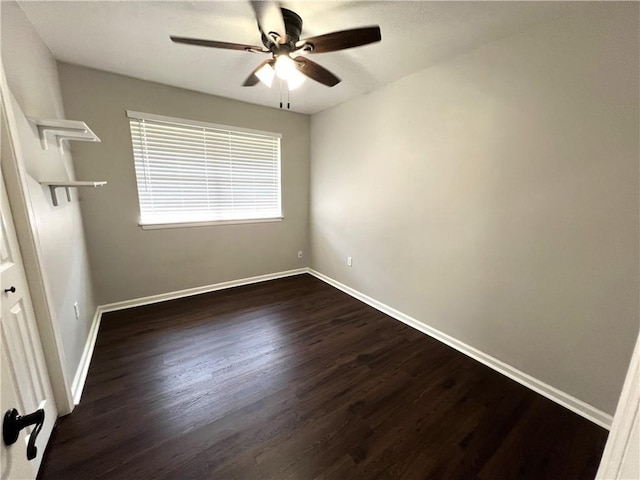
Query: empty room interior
point(320, 240)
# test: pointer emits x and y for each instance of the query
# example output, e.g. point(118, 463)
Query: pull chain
point(286, 86)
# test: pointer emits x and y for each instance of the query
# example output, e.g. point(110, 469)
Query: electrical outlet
point(76, 309)
point(299, 253)
point(349, 262)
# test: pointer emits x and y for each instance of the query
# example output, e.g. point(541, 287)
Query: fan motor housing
point(293, 26)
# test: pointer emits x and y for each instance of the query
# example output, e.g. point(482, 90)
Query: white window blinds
point(189, 172)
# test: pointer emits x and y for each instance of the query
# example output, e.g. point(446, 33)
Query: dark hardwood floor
point(293, 379)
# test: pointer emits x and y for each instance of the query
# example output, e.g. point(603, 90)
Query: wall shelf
point(60, 129)
point(67, 185)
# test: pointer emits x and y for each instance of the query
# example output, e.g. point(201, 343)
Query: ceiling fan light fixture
point(295, 80)
point(285, 67)
point(266, 74)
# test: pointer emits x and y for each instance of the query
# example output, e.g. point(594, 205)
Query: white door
point(24, 381)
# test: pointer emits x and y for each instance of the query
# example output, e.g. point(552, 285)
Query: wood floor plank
point(293, 379)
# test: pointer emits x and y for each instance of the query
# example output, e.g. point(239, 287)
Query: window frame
point(136, 115)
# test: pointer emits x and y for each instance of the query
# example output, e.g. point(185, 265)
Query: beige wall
point(495, 198)
point(33, 80)
point(129, 262)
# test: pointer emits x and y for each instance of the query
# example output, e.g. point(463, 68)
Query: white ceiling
point(132, 38)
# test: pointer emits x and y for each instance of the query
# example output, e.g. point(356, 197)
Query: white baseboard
point(575, 405)
point(85, 360)
point(138, 302)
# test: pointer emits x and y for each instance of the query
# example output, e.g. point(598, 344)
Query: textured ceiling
point(132, 38)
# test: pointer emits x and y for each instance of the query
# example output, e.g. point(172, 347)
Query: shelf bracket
point(54, 196)
point(67, 187)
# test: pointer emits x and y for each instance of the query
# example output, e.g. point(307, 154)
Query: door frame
point(621, 448)
point(30, 247)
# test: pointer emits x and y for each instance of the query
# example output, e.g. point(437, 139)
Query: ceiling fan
point(280, 30)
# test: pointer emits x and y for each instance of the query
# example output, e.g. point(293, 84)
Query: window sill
point(158, 226)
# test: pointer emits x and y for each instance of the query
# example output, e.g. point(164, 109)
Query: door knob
point(10, 290)
point(13, 423)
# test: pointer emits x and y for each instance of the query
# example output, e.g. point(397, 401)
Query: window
point(195, 172)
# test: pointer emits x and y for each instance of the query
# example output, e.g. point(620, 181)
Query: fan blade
point(316, 72)
point(270, 19)
point(253, 78)
point(330, 42)
point(216, 44)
